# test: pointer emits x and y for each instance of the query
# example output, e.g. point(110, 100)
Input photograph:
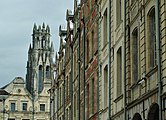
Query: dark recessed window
point(42, 107)
point(13, 107)
point(24, 106)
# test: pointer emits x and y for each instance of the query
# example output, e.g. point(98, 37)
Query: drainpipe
point(71, 83)
point(98, 60)
point(109, 63)
point(83, 20)
point(159, 57)
point(64, 96)
point(79, 60)
point(57, 101)
point(124, 27)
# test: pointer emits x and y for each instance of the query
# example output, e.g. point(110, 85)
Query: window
point(88, 104)
point(152, 38)
point(75, 106)
point(40, 83)
point(135, 61)
point(60, 96)
point(93, 95)
point(87, 51)
point(75, 62)
point(105, 85)
point(67, 85)
point(118, 11)
point(119, 72)
point(48, 74)
point(13, 106)
point(92, 43)
point(70, 111)
point(105, 31)
point(42, 107)
point(24, 106)
point(67, 114)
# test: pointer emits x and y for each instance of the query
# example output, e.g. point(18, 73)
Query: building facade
point(114, 65)
point(30, 100)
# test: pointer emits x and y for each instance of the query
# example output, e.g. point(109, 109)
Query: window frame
point(24, 104)
point(152, 59)
point(42, 105)
point(12, 108)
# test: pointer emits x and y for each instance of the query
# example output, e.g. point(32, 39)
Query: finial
point(56, 56)
point(48, 29)
point(34, 27)
point(30, 47)
point(39, 28)
point(43, 25)
point(52, 47)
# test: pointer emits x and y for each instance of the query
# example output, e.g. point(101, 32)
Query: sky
point(17, 18)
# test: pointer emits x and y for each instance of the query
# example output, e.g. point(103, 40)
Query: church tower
point(40, 61)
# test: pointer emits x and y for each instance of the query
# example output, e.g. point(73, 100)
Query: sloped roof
point(3, 92)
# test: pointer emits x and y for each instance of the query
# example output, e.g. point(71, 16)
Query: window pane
point(42, 107)
point(13, 106)
point(24, 106)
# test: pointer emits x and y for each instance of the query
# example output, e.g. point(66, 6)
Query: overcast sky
point(17, 18)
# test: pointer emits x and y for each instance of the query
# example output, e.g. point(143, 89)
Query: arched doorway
point(137, 116)
point(153, 112)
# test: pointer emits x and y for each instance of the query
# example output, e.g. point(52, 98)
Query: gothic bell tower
point(40, 61)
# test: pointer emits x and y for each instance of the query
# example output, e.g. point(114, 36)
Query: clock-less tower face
point(40, 60)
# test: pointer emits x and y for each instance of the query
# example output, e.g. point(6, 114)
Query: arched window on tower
point(40, 82)
point(48, 74)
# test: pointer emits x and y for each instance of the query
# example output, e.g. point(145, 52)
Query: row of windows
point(48, 75)
point(135, 56)
point(25, 107)
point(151, 46)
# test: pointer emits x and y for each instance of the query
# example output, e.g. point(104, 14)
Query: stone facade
point(114, 61)
point(30, 100)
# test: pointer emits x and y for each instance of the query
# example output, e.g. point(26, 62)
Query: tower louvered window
point(40, 83)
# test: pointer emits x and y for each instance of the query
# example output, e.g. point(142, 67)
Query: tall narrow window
point(87, 51)
point(67, 114)
point(119, 71)
point(67, 85)
point(60, 97)
point(75, 65)
point(75, 106)
point(40, 82)
point(135, 62)
point(152, 38)
point(13, 106)
point(24, 106)
point(87, 106)
point(105, 86)
point(70, 113)
point(105, 31)
point(48, 74)
point(93, 96)
point(118, 11)
point(92, 43)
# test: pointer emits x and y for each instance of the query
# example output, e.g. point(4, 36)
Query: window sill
point(152, 71)
point(118, 98)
